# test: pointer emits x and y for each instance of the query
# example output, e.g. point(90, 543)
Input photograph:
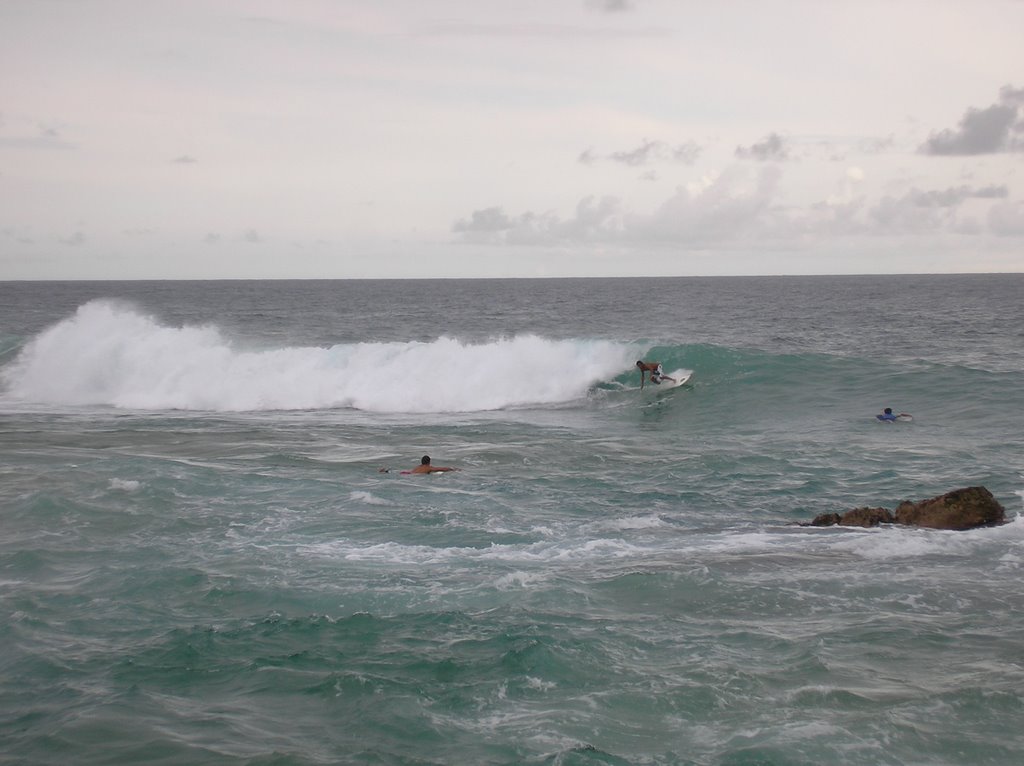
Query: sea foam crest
point(114, 355)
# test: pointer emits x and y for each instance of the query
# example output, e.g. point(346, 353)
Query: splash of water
point(114, 355)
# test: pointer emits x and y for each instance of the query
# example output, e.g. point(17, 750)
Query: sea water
point(208, 554)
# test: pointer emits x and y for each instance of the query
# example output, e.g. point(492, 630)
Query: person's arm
point(641, 378)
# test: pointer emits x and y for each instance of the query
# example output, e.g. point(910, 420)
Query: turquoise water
point(202, 563)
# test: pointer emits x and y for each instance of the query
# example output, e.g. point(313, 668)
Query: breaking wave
point(114, 355)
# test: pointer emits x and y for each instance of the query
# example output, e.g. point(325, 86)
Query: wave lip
point(111, 354)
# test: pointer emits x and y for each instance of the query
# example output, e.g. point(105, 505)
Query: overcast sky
point(350, 138)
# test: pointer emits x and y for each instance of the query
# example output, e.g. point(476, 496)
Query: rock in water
point(966, 508)
point(824, 520)
point(866, 517)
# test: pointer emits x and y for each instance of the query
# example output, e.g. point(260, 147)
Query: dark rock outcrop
point(866, 517)
point(858, 517)
point(967, 508)
point(824, 520)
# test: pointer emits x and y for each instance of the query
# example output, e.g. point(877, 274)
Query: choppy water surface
point(202, 562)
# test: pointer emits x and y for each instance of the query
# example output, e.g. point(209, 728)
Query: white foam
point(111, 354)
point(896, 543)
point(540, 684)
point(125, 485)
point(367, 497)
point(530, 554)
point(634, 522)
point(743, 542)
point(517, 580)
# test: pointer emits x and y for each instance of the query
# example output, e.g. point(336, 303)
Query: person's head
point(425, 460)
point(888, 410)
point(639, 363)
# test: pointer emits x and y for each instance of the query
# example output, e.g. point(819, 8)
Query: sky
point(251, 139)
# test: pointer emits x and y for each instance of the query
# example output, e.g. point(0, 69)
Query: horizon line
point(507, 278)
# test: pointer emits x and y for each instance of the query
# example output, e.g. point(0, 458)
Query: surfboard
point(680, 376)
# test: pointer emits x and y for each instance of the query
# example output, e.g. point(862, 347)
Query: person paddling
point(425, 466)
point(888, 416)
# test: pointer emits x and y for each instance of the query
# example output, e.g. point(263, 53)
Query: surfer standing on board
point(654, 368)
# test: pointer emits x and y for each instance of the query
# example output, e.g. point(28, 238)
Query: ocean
point(209, 554)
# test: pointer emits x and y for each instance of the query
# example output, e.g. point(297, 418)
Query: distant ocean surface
point(201, 562)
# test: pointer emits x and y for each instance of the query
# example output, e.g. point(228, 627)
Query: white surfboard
point(680, 377)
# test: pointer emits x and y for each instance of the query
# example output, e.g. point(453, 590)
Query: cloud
point(741, 205)
point(74, 240)
point(773, 147)
point(876, 144)
point(648, 152)
point(840, 149)
point(184, 160)
point(610, 6)
point(44, 138)
point(1007, 219)
point(920, 211)
point(953, 196)
point(991, 192)
point(594, 220)
point(997, 128)
point(718, 208)
point(540, 31)
point(19, 235)
point(639, 156)
point(485, 221)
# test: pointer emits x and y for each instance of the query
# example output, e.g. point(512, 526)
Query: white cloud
point(595, 220)
point(647, 152)
point(741, 205)
point(729, 206)
point(610, 6)
point(43, 137)
point(920, 211)
point(772, 147)
point(75, 239)
point(721, 208)
point(487, 221)
point(200, 125)
point(997, 128)
point(1007, 219)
